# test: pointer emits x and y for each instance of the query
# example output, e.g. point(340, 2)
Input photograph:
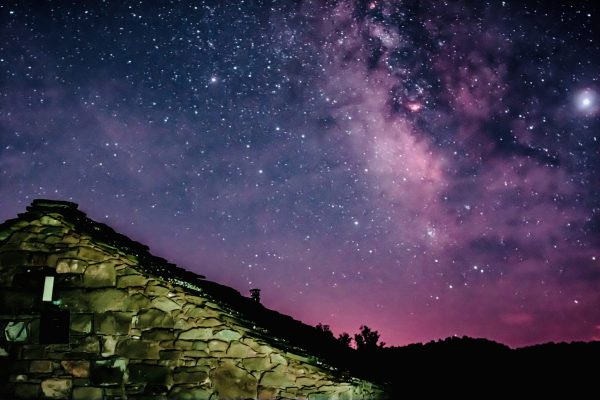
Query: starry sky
point(427, 168)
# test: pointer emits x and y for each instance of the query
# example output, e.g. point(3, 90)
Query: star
point(586, 101)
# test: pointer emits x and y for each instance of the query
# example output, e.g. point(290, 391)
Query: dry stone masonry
point(89, 314)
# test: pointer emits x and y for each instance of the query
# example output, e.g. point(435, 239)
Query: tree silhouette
point(345, 339)
point(367, 339)
point(325, 329)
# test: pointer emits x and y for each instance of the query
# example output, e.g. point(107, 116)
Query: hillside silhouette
point(464, 365)
point(461, 365)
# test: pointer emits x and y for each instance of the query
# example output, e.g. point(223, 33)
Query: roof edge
point(52, 204)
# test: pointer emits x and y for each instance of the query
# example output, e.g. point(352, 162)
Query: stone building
point(87, 313)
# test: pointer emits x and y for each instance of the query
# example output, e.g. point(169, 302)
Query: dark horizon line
point(483, 339)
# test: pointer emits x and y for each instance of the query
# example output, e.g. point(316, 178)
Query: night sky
point(426, 168)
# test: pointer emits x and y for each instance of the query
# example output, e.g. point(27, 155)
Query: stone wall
point(134, 335)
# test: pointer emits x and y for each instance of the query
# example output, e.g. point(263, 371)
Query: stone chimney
point(255, 294)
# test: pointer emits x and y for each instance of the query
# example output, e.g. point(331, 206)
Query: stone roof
point(289, 334)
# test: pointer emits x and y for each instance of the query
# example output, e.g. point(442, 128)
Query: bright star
point(586, 101)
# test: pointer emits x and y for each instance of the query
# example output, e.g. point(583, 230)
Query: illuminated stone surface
point(141, 326)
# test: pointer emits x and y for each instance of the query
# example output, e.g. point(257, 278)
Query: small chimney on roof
point(255, 295)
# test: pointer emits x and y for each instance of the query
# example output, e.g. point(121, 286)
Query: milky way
point(426, 168)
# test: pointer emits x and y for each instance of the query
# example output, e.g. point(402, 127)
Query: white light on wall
point(48, 288)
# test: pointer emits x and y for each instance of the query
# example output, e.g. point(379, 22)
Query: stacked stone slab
point(135, 333)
